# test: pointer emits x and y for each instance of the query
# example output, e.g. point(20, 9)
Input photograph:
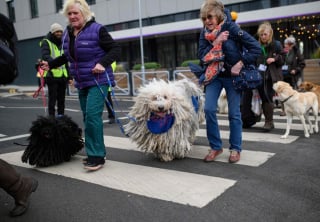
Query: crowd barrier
point(128, 83)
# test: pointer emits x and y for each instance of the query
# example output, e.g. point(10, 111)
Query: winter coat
point(295, 61)
point(274, 70)
point(92, 45)
point(239, 46)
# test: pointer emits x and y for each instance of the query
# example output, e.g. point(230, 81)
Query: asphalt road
point(133, 186)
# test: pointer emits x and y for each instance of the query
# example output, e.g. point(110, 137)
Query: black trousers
point(56, 94)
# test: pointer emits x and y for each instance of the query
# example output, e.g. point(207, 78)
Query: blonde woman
point(222, 39)
point(269, 64)
point(90, 51)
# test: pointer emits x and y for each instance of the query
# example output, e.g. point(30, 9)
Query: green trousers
point(92, 105)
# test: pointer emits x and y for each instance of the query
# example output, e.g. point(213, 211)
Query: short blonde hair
point(83, 7)
point(214, 6)
point(265, 26)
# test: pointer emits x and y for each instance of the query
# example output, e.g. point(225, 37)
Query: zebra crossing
point(181, 187)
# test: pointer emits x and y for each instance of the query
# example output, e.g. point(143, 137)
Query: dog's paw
point(316, 129)
point(166, 158)
point(307, 135)
point(284, 136)
point(311, 130)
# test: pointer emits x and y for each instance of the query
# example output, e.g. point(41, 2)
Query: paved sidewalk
point(11, 90)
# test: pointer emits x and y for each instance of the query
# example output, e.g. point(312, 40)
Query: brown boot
point(268, 114)
point(20, 188)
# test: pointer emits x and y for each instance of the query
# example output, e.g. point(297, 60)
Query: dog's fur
point(160, 98)
point(52, 141)
point(223, 102)
point(299, 104)
point(307, 86)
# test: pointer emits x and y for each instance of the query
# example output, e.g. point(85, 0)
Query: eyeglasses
point(208, 17)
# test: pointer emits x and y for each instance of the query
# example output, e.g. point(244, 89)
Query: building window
point(10, 6)
point(91, 2)
point(59, 5)
point(34, 8)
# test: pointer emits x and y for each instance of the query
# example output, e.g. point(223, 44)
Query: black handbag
point(249, 78)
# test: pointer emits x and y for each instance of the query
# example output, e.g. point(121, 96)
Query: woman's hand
point(235, 70)
point(270, 60)
point(98, 69)
point(222, 37)
point(44, 65)
point(293, 72)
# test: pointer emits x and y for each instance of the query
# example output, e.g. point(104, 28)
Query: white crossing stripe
point(2, 135)
point(169, 185)
point(278, 125)
point(249, 158)
point(258, 137)
point(14, 137)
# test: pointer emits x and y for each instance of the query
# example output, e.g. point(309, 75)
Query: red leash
point(41, 88)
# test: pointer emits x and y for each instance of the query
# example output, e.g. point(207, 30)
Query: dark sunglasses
point(208, 17)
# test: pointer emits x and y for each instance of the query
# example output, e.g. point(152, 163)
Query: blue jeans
point(92, 105)
point(212, 94)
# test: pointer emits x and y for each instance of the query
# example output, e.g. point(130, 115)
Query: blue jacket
point(239, 46)
point(86, 53)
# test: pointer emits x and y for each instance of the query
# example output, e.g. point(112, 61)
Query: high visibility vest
point(114, 66)
point(54, 53)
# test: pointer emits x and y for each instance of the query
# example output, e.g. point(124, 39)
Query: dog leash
point(41, 89)
point(109, 104)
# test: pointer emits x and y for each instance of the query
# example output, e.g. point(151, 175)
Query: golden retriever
point(307, 86)
point(298, 104)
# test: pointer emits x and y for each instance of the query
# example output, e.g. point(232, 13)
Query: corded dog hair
point(165, 118)
point(52, 141)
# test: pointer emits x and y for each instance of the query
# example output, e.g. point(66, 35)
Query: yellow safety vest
point(113, 66)
point(55, 52)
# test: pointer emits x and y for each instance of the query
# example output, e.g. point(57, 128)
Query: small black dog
point(52, 141)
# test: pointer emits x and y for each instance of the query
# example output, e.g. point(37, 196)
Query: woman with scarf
point(223, 49)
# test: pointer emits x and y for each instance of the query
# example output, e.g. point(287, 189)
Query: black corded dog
point(52, 141)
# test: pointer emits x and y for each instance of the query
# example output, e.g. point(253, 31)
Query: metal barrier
point(122, 85)
point(138, 79)
point(186, 72)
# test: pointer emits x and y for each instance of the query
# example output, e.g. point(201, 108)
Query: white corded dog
point(165, 118)
point(223, 102)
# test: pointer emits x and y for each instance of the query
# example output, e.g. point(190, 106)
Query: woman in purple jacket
point(90, 51)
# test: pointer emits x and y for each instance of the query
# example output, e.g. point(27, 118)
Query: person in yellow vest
point(56, 79)
point(110, 109)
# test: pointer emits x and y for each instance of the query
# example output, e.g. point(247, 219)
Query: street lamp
point(141, 45)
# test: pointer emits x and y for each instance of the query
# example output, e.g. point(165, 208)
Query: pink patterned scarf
point(214, 57)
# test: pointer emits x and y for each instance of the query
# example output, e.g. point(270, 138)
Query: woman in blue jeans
point(223, 49)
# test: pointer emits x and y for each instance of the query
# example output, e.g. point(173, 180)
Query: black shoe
point(94, 163)
point(85, 160)
point(268, 126)
point(93, 166)
point(112, 120)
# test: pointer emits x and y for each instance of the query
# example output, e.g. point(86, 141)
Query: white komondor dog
point(165, 118)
